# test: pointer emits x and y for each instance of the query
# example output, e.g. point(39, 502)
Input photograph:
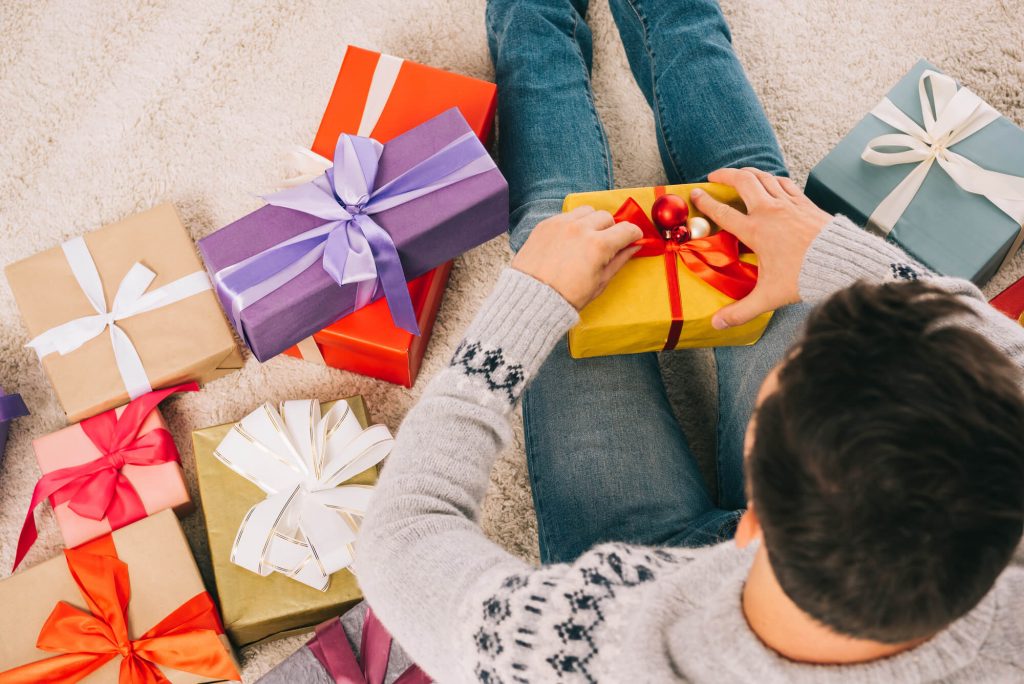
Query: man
point(884, 490)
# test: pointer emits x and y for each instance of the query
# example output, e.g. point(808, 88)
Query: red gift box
point(369, 343)
point(1011, 301)
point(381, 96)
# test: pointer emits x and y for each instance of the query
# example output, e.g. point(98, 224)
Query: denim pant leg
point(706, 114)
point(607, 459)
point(707, 117)
point(741, 370)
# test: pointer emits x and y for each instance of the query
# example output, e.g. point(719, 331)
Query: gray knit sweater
point(466, 610)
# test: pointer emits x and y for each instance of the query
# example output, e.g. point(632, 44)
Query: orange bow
point(714, 259)
point(185, 640)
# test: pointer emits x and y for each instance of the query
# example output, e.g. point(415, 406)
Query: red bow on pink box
point(98, 489)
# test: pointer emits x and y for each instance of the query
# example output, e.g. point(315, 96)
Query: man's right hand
point(779, 226)
point(577, 252)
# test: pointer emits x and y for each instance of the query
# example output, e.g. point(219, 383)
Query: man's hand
point(577, 253)
point(780, 225)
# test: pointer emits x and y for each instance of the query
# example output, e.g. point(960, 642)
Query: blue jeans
point(608, 460)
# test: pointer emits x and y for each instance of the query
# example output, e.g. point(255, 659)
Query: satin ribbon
point(185, 640)
point(950, 116)
point(331, 647)
point(351, 247)
point(306, 526)
point(98, 489)
point(714, 259)
point(131, 299)
point(385, 73)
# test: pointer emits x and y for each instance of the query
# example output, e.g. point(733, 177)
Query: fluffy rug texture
point(111, 107)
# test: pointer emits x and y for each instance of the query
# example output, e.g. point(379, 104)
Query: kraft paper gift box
point(113, 469)
point(174, 340)
point(962, 147)
point(638, 310)
point(1011, 301)
point(11, 406)
point(259, 262)
point(383, 96)
point(369, 343)
point(144, 584)
point(342, 649)
point(258, 608)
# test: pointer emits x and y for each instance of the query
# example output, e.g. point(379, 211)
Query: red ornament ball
point(669, 213)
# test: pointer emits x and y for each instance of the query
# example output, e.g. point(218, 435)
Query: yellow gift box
point(634, 313)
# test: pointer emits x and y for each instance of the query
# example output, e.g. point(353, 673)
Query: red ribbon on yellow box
point(186, 640)
point(98, 489)
point(714, 259)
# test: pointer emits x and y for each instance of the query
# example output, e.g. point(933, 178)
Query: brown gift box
point(185, 340)
point(256, 609)
point(163, 576)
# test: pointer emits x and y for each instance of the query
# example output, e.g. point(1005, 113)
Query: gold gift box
point(185, 340)
point(257, 609)
point(633, 314)
point(163, 576)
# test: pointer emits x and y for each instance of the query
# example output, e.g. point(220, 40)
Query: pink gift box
point(159, 486)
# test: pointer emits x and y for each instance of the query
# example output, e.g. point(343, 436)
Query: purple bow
point(351, 246)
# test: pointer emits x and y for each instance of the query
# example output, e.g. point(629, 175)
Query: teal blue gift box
point(965, 218)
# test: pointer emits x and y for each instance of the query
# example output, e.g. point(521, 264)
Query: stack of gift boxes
point(346, 266)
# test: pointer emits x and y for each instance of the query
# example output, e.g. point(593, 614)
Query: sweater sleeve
point(421, 548)
point(843, 254)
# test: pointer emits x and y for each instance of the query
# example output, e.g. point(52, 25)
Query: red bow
point(331, 647)
point(98, 489)
point(714, 259)
point(185, 640)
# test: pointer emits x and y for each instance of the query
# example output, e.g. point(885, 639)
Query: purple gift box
point(11, 407)
point(427, 231)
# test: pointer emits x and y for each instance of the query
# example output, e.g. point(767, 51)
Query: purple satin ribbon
point(331, 647)
point(351, 246)
point(11, 407)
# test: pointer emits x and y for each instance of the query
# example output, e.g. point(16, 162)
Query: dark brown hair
point(887, 471)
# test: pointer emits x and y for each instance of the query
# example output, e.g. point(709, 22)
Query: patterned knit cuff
point(843, 254)
point(510, 338)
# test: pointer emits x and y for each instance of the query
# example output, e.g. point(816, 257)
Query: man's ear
point(748, 529)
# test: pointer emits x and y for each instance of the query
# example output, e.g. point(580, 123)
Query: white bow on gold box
point(305, 526)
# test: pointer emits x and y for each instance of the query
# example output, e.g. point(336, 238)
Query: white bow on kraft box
point(935, 169)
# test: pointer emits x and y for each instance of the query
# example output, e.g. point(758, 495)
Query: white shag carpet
point(109, 107)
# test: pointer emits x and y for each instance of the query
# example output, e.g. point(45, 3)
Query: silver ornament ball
point(699, 227)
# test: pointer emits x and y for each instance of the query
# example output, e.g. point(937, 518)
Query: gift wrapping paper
point(426, 232)
point(309, 664)
point(257, 609)
point(369, 343)
point(162, 578)
point(185, 340)
point(11, 406)
point(1011, 301)
point(158, 486)
point(633, 314)
point(950, 230)
point(383, 96)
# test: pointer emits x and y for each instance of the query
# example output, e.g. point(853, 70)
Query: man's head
point(886, 464)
